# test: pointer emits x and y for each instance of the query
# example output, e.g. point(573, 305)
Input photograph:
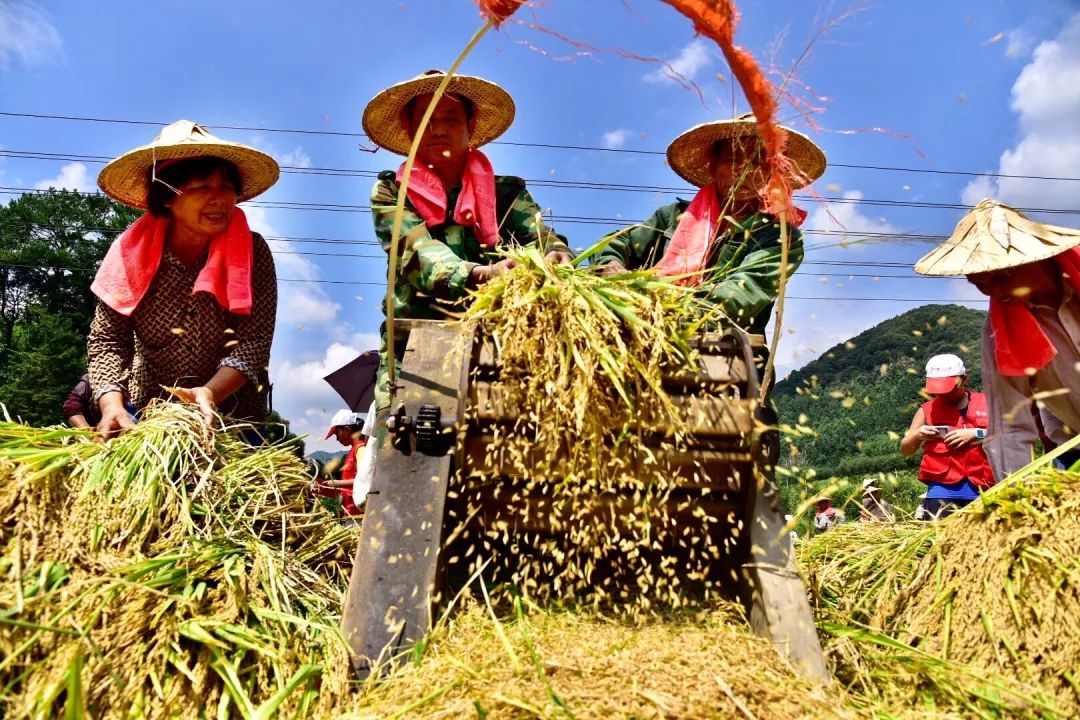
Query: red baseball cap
point(944, 373)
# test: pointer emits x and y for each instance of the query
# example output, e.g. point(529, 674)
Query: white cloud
point(27, 36)
point(298, 157)
point(1020, 42)
point(813, 326)
point(305, 399)
point(691, 60)
point(73, 176)
point(844, 223)
point(615, 139)
point(1046, 96)
point(300, 304)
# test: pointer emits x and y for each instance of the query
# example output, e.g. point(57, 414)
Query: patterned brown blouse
point(175, 338)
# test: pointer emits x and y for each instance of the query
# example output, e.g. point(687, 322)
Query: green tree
point(50, 246)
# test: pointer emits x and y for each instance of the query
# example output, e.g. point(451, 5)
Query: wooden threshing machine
point(446, 410)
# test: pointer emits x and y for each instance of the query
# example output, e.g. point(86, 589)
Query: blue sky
point(975, 85)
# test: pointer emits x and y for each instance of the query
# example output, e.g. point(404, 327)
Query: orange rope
point(717, 19)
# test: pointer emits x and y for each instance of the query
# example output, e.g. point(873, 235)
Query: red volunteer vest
point(348, 472)
point(943, 465)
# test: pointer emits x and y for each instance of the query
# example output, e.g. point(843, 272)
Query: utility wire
point(591, 220)
point(560, 184)
point(379, 283)
point(549, 146)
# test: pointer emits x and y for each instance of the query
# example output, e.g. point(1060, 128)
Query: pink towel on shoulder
point(476, 202)
point(688, 253)
point(134, 258)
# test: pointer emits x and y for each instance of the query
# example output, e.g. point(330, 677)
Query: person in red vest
point(346, 427)
point(950, 429)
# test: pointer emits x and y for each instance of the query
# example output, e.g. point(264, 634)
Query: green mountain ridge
point(858, 398)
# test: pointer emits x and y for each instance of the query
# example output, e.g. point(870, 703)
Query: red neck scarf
point(134, 258)
point(1020, 345)
point(687, 255)
point(475, 204)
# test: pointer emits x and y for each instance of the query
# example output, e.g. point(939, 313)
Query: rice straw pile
point(555, 664)
point(167, 573)
point(977, 614)
point(583, 360)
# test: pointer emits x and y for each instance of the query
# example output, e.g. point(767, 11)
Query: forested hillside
point(859, 397)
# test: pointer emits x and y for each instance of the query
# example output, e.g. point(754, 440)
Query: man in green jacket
point(721, 240)
point(458, 214)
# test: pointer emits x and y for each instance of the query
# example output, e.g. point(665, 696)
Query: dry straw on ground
point(976, 614)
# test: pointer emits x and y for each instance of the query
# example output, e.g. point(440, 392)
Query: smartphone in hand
point(943, 430)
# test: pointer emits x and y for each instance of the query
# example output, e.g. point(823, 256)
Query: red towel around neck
point(1020, 345)
point(688, 251)
point(134, 258)
point(475, 204)
point(691, 244)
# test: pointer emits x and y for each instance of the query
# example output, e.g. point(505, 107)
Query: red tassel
point(498, 10)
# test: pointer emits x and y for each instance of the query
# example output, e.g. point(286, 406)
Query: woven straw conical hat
point(691, 154)
point(493, 109)
point(127, 178)
point(994, 237)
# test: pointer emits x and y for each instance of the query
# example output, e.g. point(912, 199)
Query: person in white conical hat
point(874, 508)
point(187, 295)
point(1031, 341)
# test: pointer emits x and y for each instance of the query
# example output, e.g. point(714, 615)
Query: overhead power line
point(549, 146)
point(618, 221)
point(379, 283)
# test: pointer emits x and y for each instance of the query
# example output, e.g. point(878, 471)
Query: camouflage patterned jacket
point(435, 263)
point(745, 261)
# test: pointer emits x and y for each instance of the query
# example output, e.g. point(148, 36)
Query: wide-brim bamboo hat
point(493, 109)
point(127, 178)
point(995, 237)
point(691, 154)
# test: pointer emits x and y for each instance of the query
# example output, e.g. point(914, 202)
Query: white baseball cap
point(943, 373)
point(345, 418)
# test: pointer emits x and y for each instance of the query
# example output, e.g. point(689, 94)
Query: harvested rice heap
point(557, 664)
point(170, 572)
point(582, 455)
point(980, 612)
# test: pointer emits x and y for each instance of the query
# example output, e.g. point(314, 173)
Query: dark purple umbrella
point(355, 381)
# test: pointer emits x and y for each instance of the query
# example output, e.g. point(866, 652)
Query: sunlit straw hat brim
point(493, 109)
point(127, 178)
point(995, 237)
point(690, 155)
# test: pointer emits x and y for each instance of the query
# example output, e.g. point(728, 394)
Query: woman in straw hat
point(187, 294)
point(722, 238)
point(1031, 341)
point(458, 213)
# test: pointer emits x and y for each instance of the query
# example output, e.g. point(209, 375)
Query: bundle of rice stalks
point(975, 614)
point(583, 362)
point(167, 573)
